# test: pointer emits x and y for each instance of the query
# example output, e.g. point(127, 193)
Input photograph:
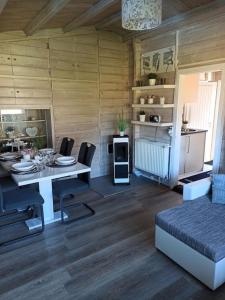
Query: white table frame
point(44, 179)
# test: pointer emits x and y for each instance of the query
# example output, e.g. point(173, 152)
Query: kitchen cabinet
point(192, 151)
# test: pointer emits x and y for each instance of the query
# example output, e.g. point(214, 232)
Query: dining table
point(44, 180)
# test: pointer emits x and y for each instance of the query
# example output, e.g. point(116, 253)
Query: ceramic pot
point(150, 100)
point(184, 126)
point(142, 101)
point(162, 100)
point(142, 118)
point(152, 81)
point(122, 133)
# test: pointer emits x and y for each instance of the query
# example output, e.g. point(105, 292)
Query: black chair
point(66, 146)
point(8, 184)
point(64, 188)
point(15, 201)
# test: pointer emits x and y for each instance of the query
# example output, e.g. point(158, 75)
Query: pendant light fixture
point(141, 14)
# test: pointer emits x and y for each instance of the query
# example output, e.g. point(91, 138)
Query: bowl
point(65, 160)
point(23, 166)
point(9, 156)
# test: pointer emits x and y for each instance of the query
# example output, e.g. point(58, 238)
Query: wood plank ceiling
point(32, 15)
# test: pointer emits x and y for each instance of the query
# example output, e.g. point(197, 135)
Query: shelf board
point(152, 124)
point(153, 105)
point(23, 137)
point(13, 122)
point(153, 87)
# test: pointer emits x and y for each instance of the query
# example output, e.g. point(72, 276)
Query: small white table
point(44, 179)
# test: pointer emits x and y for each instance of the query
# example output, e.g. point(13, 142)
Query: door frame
point(177, 120)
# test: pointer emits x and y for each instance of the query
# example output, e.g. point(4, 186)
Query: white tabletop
point(48, 173)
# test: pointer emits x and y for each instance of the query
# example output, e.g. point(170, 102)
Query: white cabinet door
point(192, 150)
point(195, 149)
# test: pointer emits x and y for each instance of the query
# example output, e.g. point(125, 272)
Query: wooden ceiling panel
point(115, 8)
point(67, 14)
point(18, 13)
point(172, 8)
point(194, 3)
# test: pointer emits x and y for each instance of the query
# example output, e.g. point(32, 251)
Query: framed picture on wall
point(158, 61)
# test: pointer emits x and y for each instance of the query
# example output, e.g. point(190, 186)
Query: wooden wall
point(82, 76)
point(114, 90)
point(202, 43)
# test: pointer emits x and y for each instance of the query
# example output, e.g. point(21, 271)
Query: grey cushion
point(21, 199)
point(218, 188)
point(200, 224)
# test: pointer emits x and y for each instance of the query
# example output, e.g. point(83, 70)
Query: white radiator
point(152, 157)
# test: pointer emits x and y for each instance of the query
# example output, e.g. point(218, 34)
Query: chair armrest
point(196, 189)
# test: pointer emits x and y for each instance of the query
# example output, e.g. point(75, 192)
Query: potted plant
point(152, 78)
point(142, 116)
point(10, 131)
point(185, 124)
point(122, 124)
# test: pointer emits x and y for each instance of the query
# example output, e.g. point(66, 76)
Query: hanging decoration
point(141, 14)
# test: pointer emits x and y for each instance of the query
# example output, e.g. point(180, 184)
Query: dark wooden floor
point(108, 256)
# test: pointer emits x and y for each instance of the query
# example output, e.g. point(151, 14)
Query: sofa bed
point(193, 235)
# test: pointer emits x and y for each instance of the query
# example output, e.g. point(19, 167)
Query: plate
point(32, 171)
point(47, 150)
point(23, 166)
point(56, 164)
point(8, 156)
point(65, 160)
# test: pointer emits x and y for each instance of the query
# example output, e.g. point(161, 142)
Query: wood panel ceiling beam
point(91, 13)
point(184, 20)
point(49, 11)
point(2, 5)
point(109, 21)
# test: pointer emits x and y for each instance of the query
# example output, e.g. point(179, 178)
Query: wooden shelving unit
point(18, 123)
point(138, 89)
point(152, 124)
point(14, 122)
point(152, 105)
point(25, 137)
point(153, 87)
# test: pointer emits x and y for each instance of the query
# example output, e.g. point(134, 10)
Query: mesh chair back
point(85, 157)
point(66, 146)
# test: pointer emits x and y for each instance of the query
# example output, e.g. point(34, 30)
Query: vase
point(184, 126)
point(152, 81)
point(162, 100)
point(150, 100)
point(122, 133)
point(142, 118)
point(142, 101)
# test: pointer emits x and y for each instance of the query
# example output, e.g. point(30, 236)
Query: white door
point(202, 113)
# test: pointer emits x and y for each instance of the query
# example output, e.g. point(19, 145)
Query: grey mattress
point(199, 224)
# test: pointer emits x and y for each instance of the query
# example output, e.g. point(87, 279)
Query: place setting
point(10, 156)
point(22, 168)
point(62, 161)
point(31, 163)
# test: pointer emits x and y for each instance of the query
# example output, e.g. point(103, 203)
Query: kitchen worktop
point(192, 131)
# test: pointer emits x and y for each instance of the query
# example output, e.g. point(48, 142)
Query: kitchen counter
point(192, 131)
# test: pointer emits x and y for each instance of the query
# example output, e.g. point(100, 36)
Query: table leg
point(45, 189)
